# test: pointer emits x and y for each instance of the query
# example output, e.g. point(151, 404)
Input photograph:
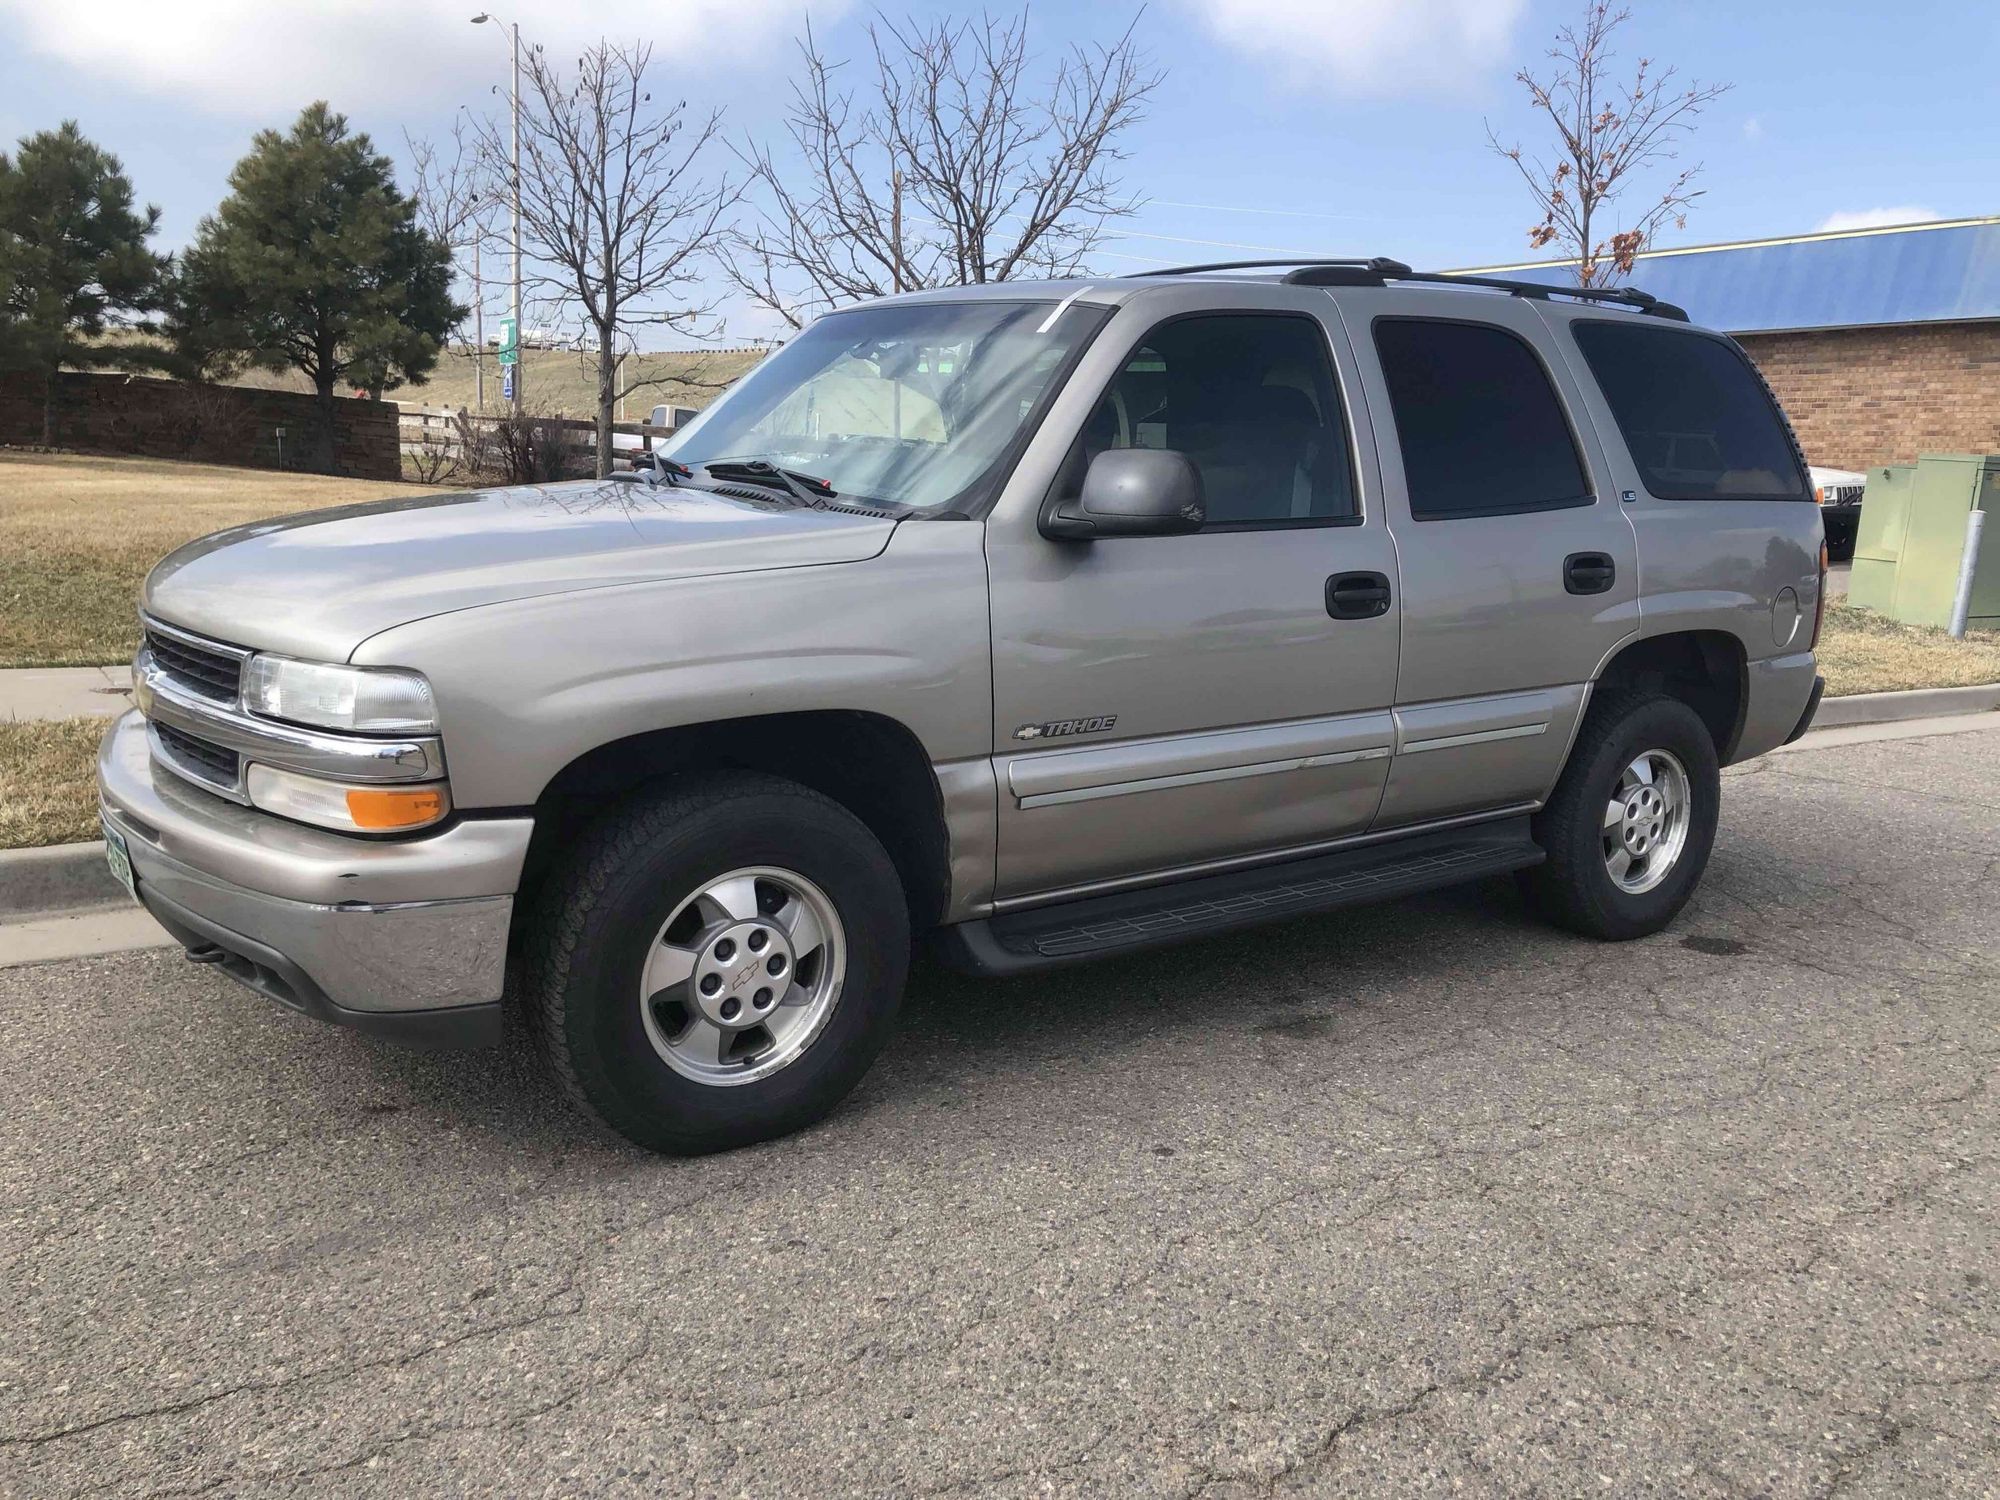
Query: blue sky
point(1339, 126)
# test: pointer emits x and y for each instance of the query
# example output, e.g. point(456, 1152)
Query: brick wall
point(1865, 396)
point(223, 424)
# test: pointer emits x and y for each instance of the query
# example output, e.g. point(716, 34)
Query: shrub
point(524, 447)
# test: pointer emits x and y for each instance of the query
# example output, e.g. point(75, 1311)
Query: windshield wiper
point(807, 489)
point(656, 468)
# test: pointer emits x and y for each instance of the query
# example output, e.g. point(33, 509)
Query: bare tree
point(450, 188)
point(455, 205)
point(957, 167)
point(616, 207)
point(1607, 134)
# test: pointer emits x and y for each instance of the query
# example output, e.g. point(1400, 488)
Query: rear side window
point(1481, 429)
point(1698, 420)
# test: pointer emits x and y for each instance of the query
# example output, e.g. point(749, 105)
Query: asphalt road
point(1422, 1198)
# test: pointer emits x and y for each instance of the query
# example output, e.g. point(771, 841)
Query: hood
point(320, 583)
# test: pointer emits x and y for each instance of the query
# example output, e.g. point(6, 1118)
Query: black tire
point(600, 909)
point(1574, 888)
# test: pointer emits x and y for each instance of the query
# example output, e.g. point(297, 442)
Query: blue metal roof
point(1915, 273)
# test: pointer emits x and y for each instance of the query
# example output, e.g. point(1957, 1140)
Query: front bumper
point(399, 937)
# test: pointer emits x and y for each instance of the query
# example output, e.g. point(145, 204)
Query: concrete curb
point(73, 878)
point(1922, 703)
point(60, 878)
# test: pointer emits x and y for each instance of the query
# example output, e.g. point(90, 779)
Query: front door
point(1163, 702)
point(1519, 568)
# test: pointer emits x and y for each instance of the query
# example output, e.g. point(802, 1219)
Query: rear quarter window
point(1695, 415)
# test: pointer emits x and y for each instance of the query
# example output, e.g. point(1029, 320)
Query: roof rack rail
point(1379, 270)
point(1377, 265)
point(1627, 296)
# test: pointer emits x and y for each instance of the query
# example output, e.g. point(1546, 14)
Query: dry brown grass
point(557, 381)
point(48, 781)
point(78, 534)
point(563, 381)
point(1863, 652)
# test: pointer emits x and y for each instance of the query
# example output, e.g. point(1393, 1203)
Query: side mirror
point(1132, 492)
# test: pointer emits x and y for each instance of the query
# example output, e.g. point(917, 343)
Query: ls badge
point(1058, 727)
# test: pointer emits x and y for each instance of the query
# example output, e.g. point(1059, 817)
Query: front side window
point(1481, 430)
point(1698, 421)
point(1250, 399)
point(908, 405)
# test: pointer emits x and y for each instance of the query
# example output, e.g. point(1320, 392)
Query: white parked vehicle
point(1839, 494)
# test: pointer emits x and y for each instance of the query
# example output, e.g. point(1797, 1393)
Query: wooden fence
point(435, 429)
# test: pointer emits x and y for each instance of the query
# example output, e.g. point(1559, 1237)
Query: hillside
point(566, 382)
point(558, 380)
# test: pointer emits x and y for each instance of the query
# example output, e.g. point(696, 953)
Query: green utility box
point(1878, 537)
point(1911, 541)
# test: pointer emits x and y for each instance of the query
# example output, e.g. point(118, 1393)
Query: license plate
point(120, 859)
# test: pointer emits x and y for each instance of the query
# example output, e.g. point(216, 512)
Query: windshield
point(913, 405)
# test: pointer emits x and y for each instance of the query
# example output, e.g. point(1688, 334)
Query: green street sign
point(510, 342)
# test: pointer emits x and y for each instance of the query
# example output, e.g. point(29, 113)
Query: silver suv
point(1048, 622)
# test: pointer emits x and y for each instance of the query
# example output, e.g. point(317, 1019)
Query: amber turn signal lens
point(381, 810)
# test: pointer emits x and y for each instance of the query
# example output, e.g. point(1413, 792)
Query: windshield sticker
point(1061, 308)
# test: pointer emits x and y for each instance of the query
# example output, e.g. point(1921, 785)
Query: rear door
point(1519, 571)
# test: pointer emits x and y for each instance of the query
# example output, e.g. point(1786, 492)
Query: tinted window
point(1251, 400)
point(1480, 428)
point(1698, 420)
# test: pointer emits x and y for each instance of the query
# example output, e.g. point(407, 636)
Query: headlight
point(351, 809)
point(369, 699)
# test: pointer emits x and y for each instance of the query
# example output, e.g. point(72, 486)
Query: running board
point(1044, 937)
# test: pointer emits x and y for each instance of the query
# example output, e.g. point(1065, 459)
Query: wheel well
point(1705, 669)
point(871, 765)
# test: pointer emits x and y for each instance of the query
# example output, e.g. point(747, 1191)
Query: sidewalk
point(64, 692)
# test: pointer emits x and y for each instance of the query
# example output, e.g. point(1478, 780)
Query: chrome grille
point(207, 671)
point(197, 759)
point(1844, 494)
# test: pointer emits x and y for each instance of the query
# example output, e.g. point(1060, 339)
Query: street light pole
point(514, 151)
point(520, 365)
point(478, 328)
point(474, 216)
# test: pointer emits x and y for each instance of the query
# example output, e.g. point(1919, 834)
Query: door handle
point(1357, 596)
point(1589, 572)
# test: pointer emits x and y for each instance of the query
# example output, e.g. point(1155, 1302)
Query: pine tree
point(315, 262)
point(73, 261)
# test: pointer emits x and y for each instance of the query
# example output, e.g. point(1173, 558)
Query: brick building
point(1882, 343)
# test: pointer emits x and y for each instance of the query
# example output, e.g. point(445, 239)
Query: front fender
point(526, 686)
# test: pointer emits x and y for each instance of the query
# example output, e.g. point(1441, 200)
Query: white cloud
point(251, 57)
point(1876, 218)
point(1372, 47)
point(1753, 128)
